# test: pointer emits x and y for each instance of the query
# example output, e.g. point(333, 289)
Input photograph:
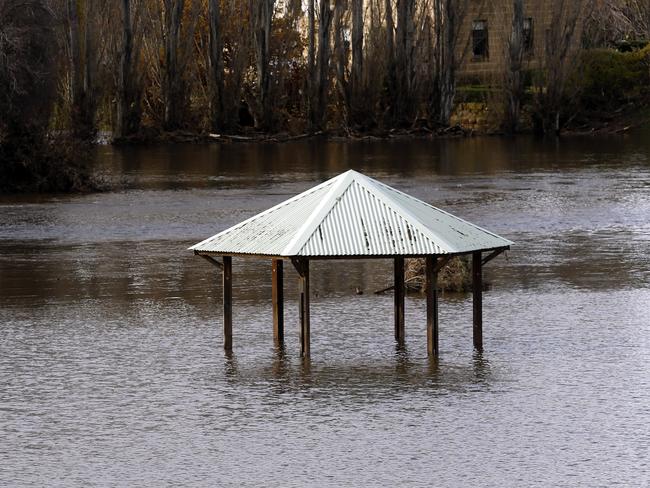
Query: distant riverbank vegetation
point(147, 70)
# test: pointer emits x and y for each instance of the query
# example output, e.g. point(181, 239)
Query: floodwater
point(112, 371)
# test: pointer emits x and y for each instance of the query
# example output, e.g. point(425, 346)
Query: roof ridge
point(387, 199)
point(320, 212)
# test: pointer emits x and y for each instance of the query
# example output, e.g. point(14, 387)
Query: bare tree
point(216, 74)
point(129, 81)
point(172, 89)
point(391, 69)
point(341, 56)
point(513, 73)
point(560, 55)
point(404, 62)
point(262, 13)
point(372, 104)
point(323, 59)
point(81, 70)
point(632, 17)
point(178, 21)
point(280, 65)
point(29, 78)
point(28, 74)
point(448, 18)
point(311, 65)
point(237, 54)
point(356, 70)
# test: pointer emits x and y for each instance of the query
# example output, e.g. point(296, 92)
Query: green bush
point(608, 79)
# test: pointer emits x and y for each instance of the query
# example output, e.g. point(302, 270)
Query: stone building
point(485, 31)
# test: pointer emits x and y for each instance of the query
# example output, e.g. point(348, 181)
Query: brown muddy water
point(112, 372)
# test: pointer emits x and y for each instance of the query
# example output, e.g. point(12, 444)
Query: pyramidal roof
point(351, 215)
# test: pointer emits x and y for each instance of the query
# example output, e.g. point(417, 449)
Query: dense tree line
point(278, 65)
point(296, 66)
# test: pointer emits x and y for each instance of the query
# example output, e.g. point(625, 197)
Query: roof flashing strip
point(341, 184)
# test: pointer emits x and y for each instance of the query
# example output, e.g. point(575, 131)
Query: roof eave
point(346, 256)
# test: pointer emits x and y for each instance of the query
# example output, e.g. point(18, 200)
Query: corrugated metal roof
point(352, 215)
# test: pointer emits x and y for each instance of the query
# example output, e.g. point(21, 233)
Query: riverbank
point(621, 121)
point(64, 165)
point(475, 120)
point(154, 136)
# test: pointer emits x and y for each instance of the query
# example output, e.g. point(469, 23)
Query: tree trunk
point(513, 76)
point(404, 48)
point(234, 13)
point(76, 88)
point(390, 57)
point(341, 59)
point(560, 55)
point(448, 16)
point(29, 79)
point(172, 90)
point(311, 65)
point(216, 67)
point(322, 78)
point(82, 110)
point(262, 13)
point(356, 70)
point(450, 38)
point(129, 112)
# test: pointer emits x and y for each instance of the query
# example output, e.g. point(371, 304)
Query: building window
point(528, 35)
point(480, 39)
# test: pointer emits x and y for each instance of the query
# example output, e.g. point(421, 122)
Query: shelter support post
point(477, 295)
point(278, 301)
point(399, 300)
point(302, 266)
point(432, 305)
point(227, 303)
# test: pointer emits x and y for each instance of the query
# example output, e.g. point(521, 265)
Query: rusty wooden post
point(399, 300)
point(304, 309)
point(432, 305)
point(278, 301)
point(227, 303)
point(477, 292)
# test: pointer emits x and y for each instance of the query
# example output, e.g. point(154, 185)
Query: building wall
point(498, 14)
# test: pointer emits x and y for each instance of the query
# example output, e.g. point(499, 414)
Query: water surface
point(112, 373)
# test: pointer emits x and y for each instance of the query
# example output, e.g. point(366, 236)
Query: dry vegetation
point(455, 276)
point(143, 69)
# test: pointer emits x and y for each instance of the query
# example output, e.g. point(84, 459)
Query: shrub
point(608, 79)
point(58, 164)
